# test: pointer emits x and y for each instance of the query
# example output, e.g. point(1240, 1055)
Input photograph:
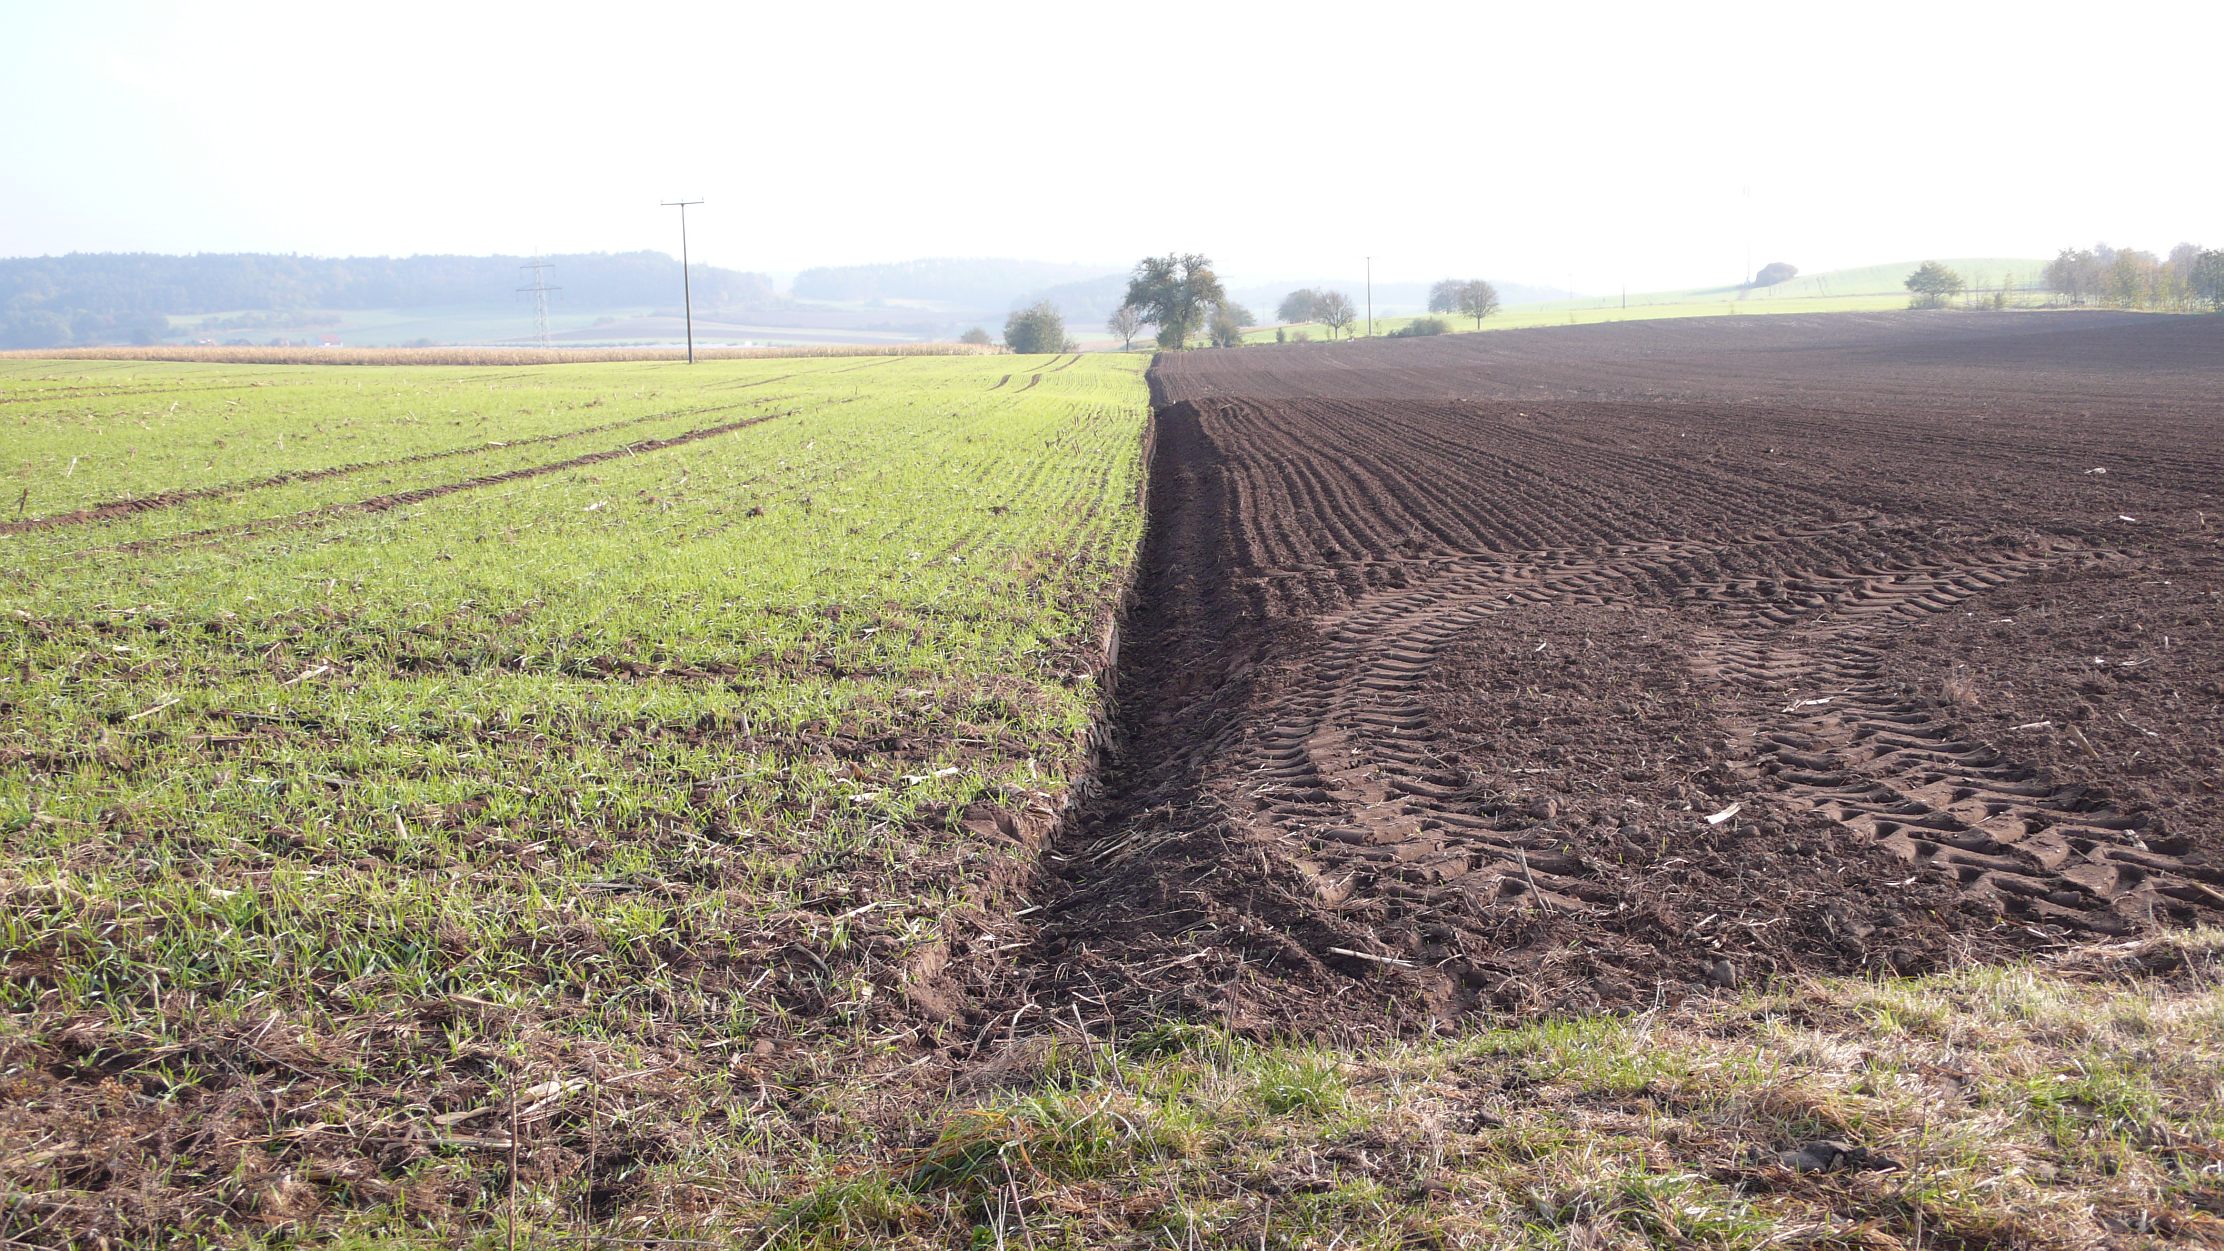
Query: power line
point(540, 290)
point(687, 293)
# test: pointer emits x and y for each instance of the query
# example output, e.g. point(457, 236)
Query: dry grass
point(2071, 1102)
point(478, 355)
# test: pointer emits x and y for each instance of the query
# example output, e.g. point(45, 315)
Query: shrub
point(1035, 330)
point(1421, 327)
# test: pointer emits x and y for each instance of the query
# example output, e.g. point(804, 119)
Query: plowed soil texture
point(1554, 670)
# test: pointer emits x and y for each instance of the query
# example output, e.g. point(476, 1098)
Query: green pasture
point(1870, 289)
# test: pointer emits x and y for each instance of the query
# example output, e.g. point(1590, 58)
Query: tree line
point(2189, 277)
point(92, 298)
point(1181, 299)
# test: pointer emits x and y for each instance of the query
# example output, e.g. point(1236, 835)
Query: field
point(512, 324)
point(1551, 669)
point(1714, 782)
point(379, 742)
point(1871, 289)
point(466, 355)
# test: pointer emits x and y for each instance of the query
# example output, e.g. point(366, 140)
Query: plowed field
point(1557, 669)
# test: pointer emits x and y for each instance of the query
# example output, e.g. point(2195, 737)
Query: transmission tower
point(540, 290)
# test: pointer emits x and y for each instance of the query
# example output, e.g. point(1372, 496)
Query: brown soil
point(1448, 651)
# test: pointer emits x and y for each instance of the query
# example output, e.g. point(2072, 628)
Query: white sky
point(1562, 144)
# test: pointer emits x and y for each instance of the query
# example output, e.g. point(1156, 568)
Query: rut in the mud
point(1464, 677)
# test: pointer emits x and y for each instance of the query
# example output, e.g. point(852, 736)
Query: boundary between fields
point(932, 979)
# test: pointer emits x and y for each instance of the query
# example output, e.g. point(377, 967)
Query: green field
point(1870, 289)
point(442, 733)
point(511, 323)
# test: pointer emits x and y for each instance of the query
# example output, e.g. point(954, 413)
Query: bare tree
point(1477, 299)
point(1334, 310)
point(1127, 322)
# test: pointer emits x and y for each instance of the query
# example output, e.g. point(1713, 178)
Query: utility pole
point(1370, 297)
point(540, 290)
point(687, 293)
point(1748, 236)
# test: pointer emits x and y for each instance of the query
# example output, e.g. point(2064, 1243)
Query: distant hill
point(970, 285)
point(129, 297)
point(1981, 272)
point(1086, 305)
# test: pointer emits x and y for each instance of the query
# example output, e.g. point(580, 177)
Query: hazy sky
point(1561, 144)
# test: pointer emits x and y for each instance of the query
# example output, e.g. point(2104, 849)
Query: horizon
point(1619, 169)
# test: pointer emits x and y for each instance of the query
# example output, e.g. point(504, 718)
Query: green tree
point(1035, 329)
point(1477, 299)
point(1175, 292)
point(1226, 329)
point(1444, 297)
point(2208, 278)
point(1298, 305)
point(1775, 272)
point(2076, 273)
point(1932, 284)
point(976, 336)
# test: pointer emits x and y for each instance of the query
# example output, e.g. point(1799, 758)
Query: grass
point(1870, 289)
point(329, 820)
point(2065, 1104)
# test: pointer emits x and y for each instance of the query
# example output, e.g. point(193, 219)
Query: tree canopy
point(1932, 284)
point(1775, 272)
point(1175, 292)
point(2208, 278)
point(87, 298)
point(1477, 299)
point(1035, 329)
point(1298, 305)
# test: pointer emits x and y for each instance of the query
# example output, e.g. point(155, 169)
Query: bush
point(1932, 284)
point(976, 336)
point(1421, 327)
point(1035, 330)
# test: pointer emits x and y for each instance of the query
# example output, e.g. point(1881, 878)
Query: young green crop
point(412, 721)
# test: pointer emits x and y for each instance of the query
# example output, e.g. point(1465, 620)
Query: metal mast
point(540, 290)
point(687, 293)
